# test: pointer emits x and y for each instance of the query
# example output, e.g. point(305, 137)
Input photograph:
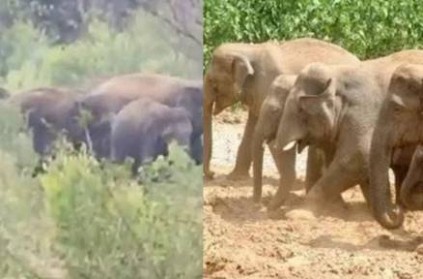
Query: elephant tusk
point(289, 146)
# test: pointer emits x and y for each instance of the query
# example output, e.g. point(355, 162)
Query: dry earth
point(241, 241)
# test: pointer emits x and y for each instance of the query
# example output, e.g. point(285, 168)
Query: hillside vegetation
point(84, 218)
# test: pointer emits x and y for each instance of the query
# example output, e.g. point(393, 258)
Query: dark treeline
point(66, 21)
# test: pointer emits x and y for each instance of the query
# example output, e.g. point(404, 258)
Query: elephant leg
point(315, 166)
point(135, 166)
point(42, 140)
point(244, 156)
point(196, 149)
point(399, 173)
point(338, 178)
point(285, 161)
point(365, 186)
point(279, 157)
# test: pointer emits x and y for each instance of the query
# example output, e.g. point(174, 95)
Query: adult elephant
point(333, 108)
point(110, 97)
point(336, 109)
point(143, 129)
point(243, 72)
point(50, 112)
point(398, 126)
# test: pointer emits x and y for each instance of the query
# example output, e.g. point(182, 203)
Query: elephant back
point(138, 85)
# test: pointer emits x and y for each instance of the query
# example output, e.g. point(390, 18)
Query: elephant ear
point(241, 69)
point(312, 104)
point(406, 87)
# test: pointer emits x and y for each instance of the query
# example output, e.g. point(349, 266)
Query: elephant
point(107, 99)
point(49, 111)
point(143, 129)
point(336, 108)
point(399, 125)
point(413, 181)
point(244, 72)
point(265, 131)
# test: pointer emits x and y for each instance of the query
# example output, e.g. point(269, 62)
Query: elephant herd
point(129, 116)
point(359, 119)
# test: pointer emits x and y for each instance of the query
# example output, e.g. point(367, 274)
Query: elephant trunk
point(258, 152)
point(207, 136)
point(390, 216)
point(290, 129)
point(412, 181)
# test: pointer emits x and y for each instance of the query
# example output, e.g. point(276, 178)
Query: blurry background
point(83, 219)
point(48, 42)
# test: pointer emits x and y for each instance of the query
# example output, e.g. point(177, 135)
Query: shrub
point(85, 219)
point(366, 28)
point(109, 227)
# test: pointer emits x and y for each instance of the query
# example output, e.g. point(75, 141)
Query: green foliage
point(366, 28)
point(146, 45)
point(86, 219)
point(110, 227)
point(83, 218)
point(14, 140)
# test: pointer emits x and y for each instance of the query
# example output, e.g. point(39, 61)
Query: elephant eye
point(397, 108)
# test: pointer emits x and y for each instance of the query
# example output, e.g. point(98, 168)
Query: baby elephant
point(143, 129)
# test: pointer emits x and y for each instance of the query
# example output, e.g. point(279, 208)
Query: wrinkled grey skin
point(143, 129)
point(265, 132)
point(412, 186)
point(380, 70)
point(50, 112)
point(400, 163)
point(105, 101)
point(334, 108)
point(242, 72)
point(399, 125)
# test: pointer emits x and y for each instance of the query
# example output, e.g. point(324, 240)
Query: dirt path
point(240, 241)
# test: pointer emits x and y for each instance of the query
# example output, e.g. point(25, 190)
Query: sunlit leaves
point(366, 28)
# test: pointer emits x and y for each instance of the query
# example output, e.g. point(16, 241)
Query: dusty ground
point(241, 241)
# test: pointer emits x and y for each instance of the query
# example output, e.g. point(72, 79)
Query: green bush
point(83, 218)
point(86, 219)
point(110, 227)
point(366, 28)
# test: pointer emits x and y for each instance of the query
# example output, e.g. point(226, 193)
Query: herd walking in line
point(133, 116)
point(358, 119)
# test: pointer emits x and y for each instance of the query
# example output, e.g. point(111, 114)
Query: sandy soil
point(241, 241)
